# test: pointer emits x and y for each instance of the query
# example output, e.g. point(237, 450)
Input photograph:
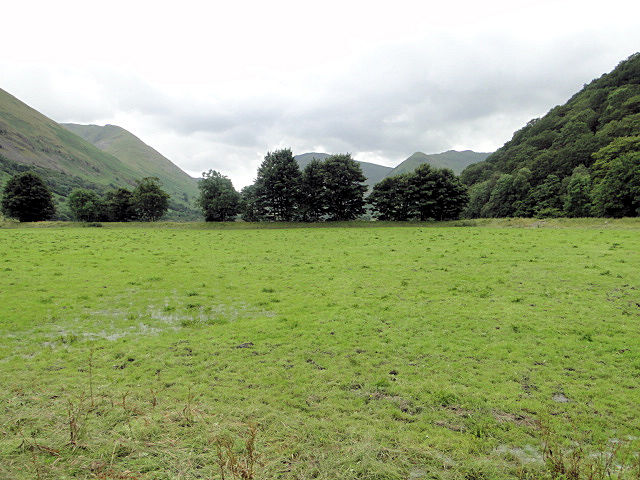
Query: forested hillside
point(582, 158)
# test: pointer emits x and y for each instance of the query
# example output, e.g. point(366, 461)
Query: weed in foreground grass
point(561, 462)
point(239, 465)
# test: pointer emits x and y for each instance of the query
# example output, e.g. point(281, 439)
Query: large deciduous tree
point(390, 198)
point(85, 205)
point(27, 198)
point(119, 206)
point(150, 201)
point(218, 199)
point(436, 193)
point(343, 194)
point(277, 186)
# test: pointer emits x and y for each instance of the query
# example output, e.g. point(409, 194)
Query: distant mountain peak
point(455, 160)
point(372, 171)
point(452, 159)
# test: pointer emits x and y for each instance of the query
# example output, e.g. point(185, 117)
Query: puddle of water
point(155, 320)
point(526, 454)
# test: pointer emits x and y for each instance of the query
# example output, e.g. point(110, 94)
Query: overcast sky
point(218, 84)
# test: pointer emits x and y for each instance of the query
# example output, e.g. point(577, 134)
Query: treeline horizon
point(28, 198)
point(331, 189)
point(582, 159)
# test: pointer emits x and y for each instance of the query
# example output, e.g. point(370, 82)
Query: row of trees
point(427, 193)
point(27, 198)
point(332, 189)
point(147, 202)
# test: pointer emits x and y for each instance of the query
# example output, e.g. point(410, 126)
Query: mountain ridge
point(455, 160)
point(452, 159)
point(137, 155)
point(372, 171)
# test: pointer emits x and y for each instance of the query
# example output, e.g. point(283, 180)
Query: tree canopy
point(312, 192)
point(86, 205)
point(331, 189)
point(119, 206)
point(277, 186)
point(427, 193)
point(151, 202)
point(218, 200)
point(391, 198)
point(27, 198)
point(343, 193)
point(248, 205)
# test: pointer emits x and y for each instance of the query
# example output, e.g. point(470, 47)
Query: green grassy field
point(421, 351)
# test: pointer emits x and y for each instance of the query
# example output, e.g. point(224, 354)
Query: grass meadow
point(464, 350)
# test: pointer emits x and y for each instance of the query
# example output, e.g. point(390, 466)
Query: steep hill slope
point(573, 151)
point(456, 161)
point(30, 140)
point(372, 171)
point(138, 156)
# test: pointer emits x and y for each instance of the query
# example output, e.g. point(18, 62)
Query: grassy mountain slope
point(30, 140)
point(606, 109)
point(373, 172)
point(138, 156)
point(456, 161)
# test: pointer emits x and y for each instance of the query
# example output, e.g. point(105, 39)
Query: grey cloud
point(431, 90)
point(427, 95)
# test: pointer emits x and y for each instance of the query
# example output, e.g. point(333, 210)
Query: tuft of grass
point(232, 464)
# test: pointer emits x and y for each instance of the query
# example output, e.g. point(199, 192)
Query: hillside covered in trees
point(581, 159)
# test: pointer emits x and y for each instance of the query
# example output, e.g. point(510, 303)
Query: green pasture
point(414, 351)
